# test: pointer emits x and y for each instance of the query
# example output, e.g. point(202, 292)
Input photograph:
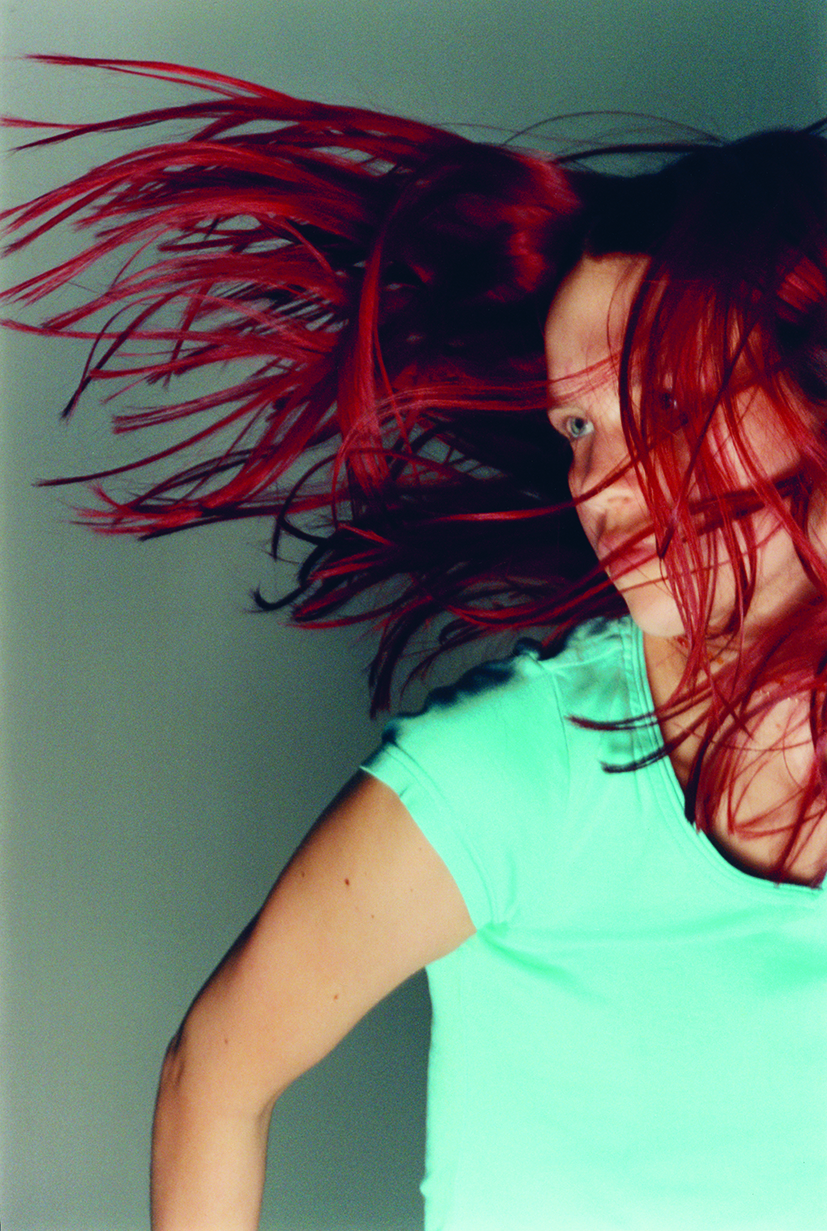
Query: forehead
point(588, 316)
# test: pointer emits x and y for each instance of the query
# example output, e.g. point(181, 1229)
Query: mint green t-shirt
point(636, 1035)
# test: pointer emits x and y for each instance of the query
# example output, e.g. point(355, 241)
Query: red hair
point(734, 299)
point(379, 288)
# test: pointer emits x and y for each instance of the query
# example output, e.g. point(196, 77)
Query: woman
point(607, 849)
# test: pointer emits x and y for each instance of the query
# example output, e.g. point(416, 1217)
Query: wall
point(164, 749)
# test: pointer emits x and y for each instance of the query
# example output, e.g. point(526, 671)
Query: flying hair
point(368, 295)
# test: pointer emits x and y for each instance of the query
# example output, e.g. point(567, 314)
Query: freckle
point(336, 996)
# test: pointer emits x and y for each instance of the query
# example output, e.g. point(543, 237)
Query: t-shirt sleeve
point(482, 771)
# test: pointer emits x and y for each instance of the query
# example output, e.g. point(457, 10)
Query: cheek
point(775, 550)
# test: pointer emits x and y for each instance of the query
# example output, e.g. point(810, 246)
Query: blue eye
point(575, 427)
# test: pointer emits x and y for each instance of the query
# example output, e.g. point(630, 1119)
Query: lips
point(621, 552)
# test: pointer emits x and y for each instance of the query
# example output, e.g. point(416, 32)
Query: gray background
point(163, 748)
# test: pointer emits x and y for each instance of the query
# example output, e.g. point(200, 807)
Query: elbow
point(202, 1074)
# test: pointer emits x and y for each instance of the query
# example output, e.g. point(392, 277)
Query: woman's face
point(584, 334)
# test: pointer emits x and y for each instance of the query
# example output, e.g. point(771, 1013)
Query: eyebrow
point(572, 384)
point(565, 404)
point(568, 392)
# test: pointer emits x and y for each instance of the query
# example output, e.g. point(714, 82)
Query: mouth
point(620, 553)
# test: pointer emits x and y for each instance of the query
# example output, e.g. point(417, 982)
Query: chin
point(653, 609)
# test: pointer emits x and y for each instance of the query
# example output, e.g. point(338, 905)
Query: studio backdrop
point(164, 747)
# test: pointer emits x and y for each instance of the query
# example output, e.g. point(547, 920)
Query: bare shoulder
point(363, 904)
point(367, 868)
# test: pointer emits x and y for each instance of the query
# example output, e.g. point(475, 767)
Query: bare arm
point(364, 903)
